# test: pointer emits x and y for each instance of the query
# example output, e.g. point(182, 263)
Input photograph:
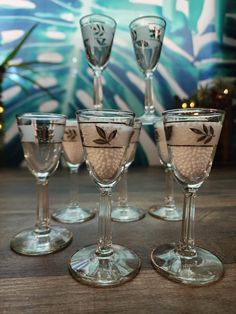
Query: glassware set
point(107, 140)
point(147, 34)
point(192, 137)
point(169, 210)
point(122, 211)
point(98, 31)
point(41, 138)
point(74, 156)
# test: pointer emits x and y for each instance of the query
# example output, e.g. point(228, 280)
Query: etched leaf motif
point(211, 131)
point(44, 134)
point(142, 43)
point(196, 131)
point(208, 140)
point(206, 134)
point(100, 141)
point(101, 41)
point(205, 129)
point(201, 138)
point(101, 132)
point(104, 139)
point(112, 135)
point(70, 134)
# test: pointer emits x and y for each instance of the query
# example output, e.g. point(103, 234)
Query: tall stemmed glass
point(105, 137)
point(98, 32)
point(192, 137)
point(74, 156)
point(41, 138)
point(168, 211)
point(122, 211)
point(147, 34)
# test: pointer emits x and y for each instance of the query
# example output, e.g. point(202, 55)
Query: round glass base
point(201, 269)
point(28, 242)
point(73, 215)
point(166, 213)
point(148, 118)
point(88, 267)
point(127, 214)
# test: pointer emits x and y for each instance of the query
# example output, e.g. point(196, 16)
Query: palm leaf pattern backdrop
point(199, 46)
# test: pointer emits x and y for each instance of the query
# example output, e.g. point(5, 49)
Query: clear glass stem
point(148, 101)
point(169, 188)
point(123, 193)
point(186, 243)
point(42, 222)
point(97, 89)
point(104, 224)
point(73, 187)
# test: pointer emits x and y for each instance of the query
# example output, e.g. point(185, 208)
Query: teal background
point(199, 46)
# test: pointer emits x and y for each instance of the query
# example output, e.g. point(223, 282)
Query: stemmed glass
point(74, 156)
point(105, 138)
point(147, 34)
point(192, 136)
point(168, 211)
point(98, 32)
point(41, 138)
point(122, 211)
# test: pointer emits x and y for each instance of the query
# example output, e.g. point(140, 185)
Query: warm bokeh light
point(192, 104)
point(1, 109)
point(0, 126)
point(184, 105)
point(226, 91)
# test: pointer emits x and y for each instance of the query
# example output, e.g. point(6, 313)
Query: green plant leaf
point(13, 53)
point(28, 63)
point(19, 84)
point(38, 84)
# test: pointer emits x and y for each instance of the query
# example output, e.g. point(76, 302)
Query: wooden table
point(44, 285)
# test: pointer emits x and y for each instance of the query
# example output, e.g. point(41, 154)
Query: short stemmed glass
point(73, 154)
point(41, 138)
point(122, 211)
point(105, 137)
point(192, 136)
point(168, 211)
point(147, 34)
point(98, 32)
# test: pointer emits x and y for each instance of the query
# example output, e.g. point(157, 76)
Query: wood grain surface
point(43, 284)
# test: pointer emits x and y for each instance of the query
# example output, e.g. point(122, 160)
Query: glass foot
point(121, 266)
point(198, 270)
point(148, 118)
point(127, 214)
point(28, 242)
point(166, 213)
point(73, 215)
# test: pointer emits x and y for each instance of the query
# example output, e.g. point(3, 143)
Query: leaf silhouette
point(208, 140)
point(206, 134)
point(101, 41)
point(211, 131)
point(196, 131)
point(112, 135)
point(201, 138)
point(100, 141)
point(101, 132)
point(205, 129)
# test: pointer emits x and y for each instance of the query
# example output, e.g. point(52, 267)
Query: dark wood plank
point(44, 285)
